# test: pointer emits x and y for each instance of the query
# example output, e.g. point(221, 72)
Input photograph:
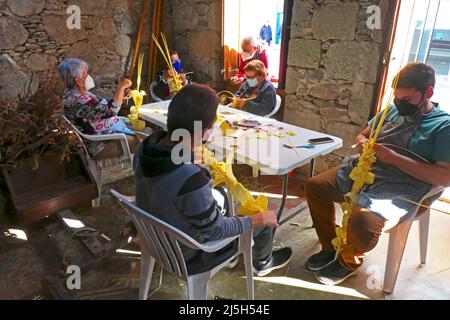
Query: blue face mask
point(177, 66)
point(252, 82)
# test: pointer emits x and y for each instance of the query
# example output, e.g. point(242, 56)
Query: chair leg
point(146, 271)
point(231, 203)
point(198, 286)
point(248, 261)
point(397, 243)
point(98, 176)
point(424, 227)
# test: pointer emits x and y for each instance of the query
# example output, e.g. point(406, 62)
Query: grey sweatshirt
point(181, 196)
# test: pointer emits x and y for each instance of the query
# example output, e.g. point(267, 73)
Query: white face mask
point(89, 83)
point(252, 82)
point(247, 56)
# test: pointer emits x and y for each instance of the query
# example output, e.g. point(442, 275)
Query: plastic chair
point(275, 110)
point(155, 98)
point(96, 166)
point(160, 242)
point(398, 236)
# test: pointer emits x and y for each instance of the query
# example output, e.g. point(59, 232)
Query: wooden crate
point(53, 187)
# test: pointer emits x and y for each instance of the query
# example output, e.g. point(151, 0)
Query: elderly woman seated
point(94, 115)
point(257, 94)
point(251, 51)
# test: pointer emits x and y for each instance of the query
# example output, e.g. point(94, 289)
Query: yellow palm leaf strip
point(361, 175)
point(176, 78)
point(388, 103)
point(386, 109)
point(166, 47)
point(223, 173)
point(161, 50)
point(139, 73)
point(226, 92)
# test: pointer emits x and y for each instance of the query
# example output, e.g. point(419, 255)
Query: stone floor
point(25, 263)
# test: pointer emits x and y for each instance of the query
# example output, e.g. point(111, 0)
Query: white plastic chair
point(160, 242)
point(96, 166)
point(152, 92)
point(398, 236)
point(275, 110)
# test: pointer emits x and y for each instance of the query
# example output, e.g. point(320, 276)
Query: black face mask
point(406, 108)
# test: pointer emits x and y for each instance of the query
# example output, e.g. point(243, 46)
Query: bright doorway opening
point(423, 34)
point(256, 18)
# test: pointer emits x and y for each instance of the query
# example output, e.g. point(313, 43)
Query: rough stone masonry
point(332, 65)
point(332, 69)
point(34, 38)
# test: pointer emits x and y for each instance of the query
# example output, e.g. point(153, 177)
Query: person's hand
point(237, 81)
point(170, 73)
point(265, 219)
point(183, 77)
point(240, 103)
point(359, 146)
point(125, 84)
point(386, 155)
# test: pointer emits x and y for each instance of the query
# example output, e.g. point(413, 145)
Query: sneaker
point(233, 263)
point(320, 260)
point(279, 259)
point(335, 273)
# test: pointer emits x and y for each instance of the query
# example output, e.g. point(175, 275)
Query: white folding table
point(265, 152)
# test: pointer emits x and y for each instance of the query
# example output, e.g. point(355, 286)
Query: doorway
point(423, 34)
point(256, 18)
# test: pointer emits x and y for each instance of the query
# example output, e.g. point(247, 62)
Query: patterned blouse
point(91, 115)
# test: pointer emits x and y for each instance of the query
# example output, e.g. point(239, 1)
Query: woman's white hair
point(251, 41)
point(71, 68)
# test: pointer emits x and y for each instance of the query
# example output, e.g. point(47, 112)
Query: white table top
point(266, 153)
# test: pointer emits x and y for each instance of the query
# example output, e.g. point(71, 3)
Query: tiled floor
point(24, 263)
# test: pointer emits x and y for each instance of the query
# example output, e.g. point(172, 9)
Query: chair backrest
point(277, 107)
point(159, 238)
point(152, 92)
point(74, 127)
point(79, 134)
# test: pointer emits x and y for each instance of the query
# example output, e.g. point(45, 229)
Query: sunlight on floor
point(272, 195)
point(16, 233)
point(292, 282)
point(73, 223)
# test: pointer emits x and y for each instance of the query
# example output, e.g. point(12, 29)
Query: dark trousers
point(262, 248)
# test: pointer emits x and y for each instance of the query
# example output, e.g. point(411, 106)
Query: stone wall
point(34, 38)
point(332, 69)
point(196, 33)
point(332, 65)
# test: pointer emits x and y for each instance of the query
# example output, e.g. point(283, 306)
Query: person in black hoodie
point(182, 194)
